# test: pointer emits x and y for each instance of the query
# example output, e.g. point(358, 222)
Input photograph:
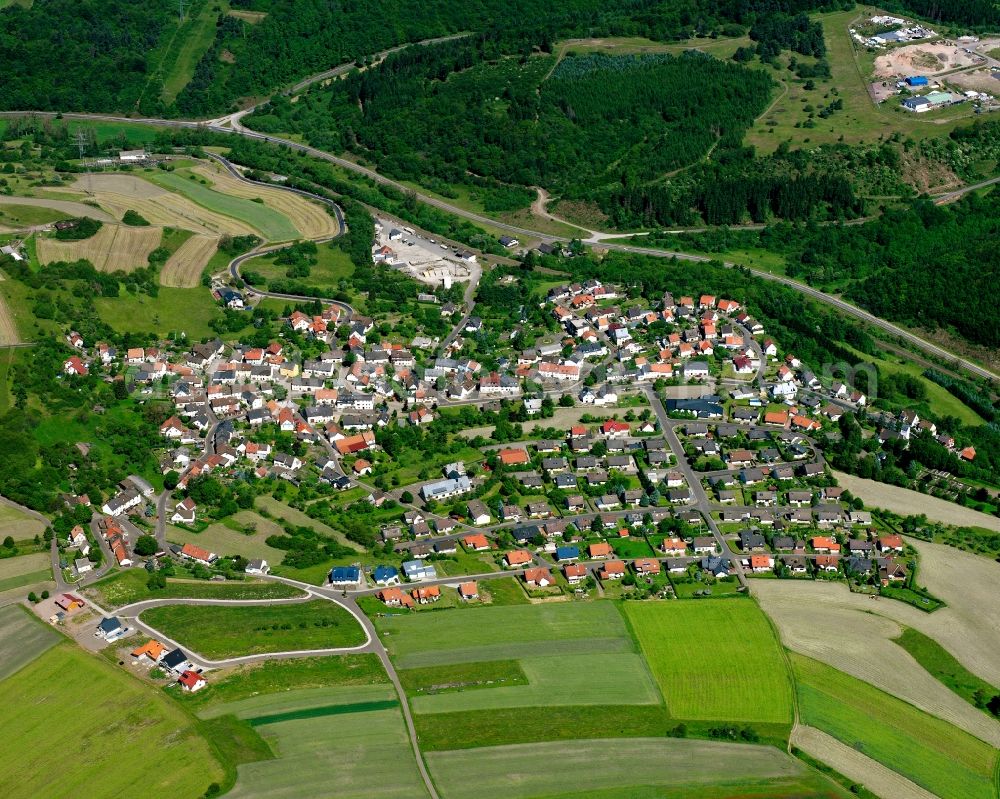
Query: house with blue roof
point(567, 553)
point(345, 576)
point(386, 575)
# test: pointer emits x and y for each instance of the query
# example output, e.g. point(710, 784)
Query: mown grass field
point(943, 666)
point(175, 310)
point(280, 676)
point(221, 632)
point(126, 587)
point(605, 679)
point(500, 633)
point(272, 225)
point(714, 660)
point(76, 726)
point(18, 524)
point(222, 539)
point(622, 768)
point(359, 754)
point(22, 639)
point(930, 752)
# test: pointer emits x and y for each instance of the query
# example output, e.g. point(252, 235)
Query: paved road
point(845, 307)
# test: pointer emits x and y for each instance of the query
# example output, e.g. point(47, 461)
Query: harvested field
point(113, 247)
point(907, 502)
point(922, 59)
point(853, 764)
point(68, 207)
point(969, 627)
point(119, 193)
point(183, 269)
point(309, 218)
point(861, 644)
point(8, 327)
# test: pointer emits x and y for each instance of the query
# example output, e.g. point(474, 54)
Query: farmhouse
point(199, 555)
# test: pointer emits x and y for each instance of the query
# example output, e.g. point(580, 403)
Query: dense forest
point(921, 264)
point(91, 55)
point(980, 14)
point(462, 109)
point(84, 55)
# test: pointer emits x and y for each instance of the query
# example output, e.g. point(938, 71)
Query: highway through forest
point(232, 125)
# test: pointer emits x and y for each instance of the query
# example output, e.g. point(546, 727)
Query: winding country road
point(219, 126)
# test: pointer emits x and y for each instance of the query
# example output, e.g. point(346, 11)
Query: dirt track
point(907, 502)
point(858, 767)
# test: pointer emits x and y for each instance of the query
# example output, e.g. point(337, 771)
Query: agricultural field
point(932, 753)
point(865, 647)
point(226, 537)
point(600, 679)
point(183, 269)
point(272, 225)
point(8, 324)
point(905, 501)
point(112, 248)
point(856, 766)
point(310, 219)
point(126, 587)
point(636, 767)
point(943, 666)
point(40, 210)
point(714, 660)
point(368, 754)
point(142, 737)
point(23, 638)
point(24, 570)
point(501, 633)
point(222, 632)
point(158, 204)
point(173, 311)
point(284, 677)
point(16, 523)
